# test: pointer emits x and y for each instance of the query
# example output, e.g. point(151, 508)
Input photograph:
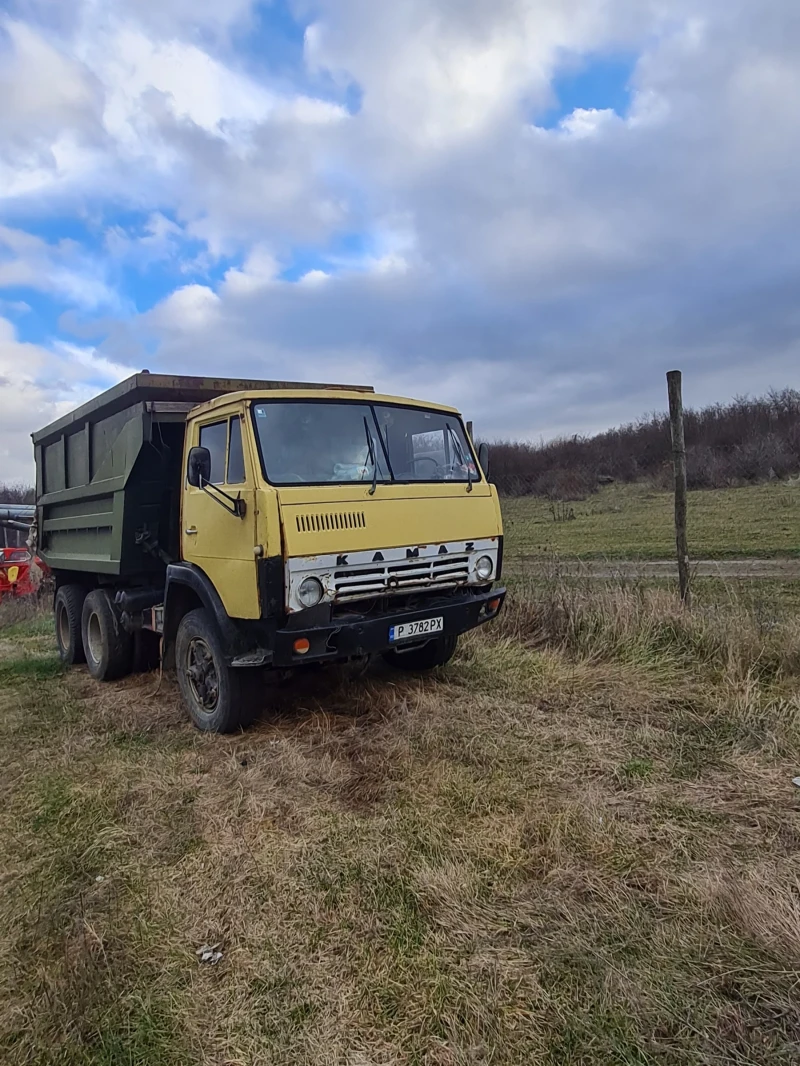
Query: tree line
point(741, 442)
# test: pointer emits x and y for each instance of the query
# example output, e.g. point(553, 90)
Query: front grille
point(395, 577)
point(317, 523)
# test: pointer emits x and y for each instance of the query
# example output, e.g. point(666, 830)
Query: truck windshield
point(309, 443)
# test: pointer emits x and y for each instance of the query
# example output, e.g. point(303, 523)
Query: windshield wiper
point(457, 444)
point(373, 456)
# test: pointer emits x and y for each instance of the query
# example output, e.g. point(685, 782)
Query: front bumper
point(357, 636)
point(351, 577)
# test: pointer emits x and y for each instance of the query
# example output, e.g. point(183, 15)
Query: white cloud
point(314, 277)
point(438, 74)
point(159, 238)
point(588, 122)
point(37, 385)
point(198, 88)
point(66, 95)
point(545, 277)
point(188, 310)
point(62, 268)
point(18, 307)
point(88, 362)
point(122, 111)
point(50, 114)
point(169, 17)
point(259, 269)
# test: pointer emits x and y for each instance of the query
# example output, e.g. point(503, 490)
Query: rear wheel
point(220, 698)
point(67, 608)
point(426, 657)
point(108, 647)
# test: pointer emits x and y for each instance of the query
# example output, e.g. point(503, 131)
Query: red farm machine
point(21, 574)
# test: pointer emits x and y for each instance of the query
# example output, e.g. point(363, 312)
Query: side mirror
point(483, 458)
point(199, 467)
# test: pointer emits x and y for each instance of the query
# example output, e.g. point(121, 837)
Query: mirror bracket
point(197, 474)
point(234, 505)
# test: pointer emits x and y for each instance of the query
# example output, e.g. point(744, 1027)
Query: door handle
point(191, 531)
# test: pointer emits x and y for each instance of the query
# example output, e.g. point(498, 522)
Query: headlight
point(310, 591)
point(484, 567)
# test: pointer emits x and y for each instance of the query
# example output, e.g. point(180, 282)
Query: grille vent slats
point(393, 577)
point(320, 523)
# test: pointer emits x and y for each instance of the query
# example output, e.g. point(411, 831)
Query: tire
point(435, 653)
point(108, 647)
point(67, 608)
point(219, 698)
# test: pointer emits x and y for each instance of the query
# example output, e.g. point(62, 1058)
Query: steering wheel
point(411, 469)
point(290, 476)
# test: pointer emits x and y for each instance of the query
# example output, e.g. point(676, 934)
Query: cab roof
point(330, 393)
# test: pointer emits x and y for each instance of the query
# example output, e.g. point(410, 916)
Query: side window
point(236, 454)
point(215, 438)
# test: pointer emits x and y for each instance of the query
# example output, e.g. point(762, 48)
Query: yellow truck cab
point(270, 525)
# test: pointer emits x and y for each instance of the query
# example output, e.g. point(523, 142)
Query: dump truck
point(231, 527)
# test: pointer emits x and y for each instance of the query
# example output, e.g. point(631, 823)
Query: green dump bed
point(108, 475)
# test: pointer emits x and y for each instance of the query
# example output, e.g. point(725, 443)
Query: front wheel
point(435, 653)
point(219, 697)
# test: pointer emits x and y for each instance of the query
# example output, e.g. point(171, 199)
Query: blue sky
point(528, 209)
point(591, 82)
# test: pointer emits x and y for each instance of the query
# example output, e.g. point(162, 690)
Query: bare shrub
point(705, 469)
point(749, 439)
point(761, 458)
point(17, 493)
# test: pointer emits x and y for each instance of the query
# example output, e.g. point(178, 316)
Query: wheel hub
point(202, 673)
point(62, 626)
point(94, 638)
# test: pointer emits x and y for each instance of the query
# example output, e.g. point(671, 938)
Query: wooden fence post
point(679, 464)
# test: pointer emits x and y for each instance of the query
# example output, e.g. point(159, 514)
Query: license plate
point(415, 630)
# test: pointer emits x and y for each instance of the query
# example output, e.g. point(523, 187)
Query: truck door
point(220, 543)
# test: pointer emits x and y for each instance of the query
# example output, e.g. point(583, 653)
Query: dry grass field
point(579, 843)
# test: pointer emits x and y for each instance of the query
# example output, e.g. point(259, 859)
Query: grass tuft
point(30, 669)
